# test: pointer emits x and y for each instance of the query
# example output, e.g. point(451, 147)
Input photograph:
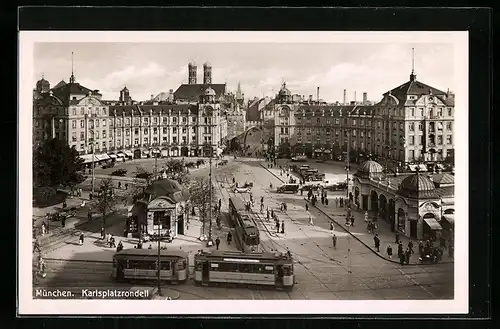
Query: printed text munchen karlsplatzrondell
point(113, 293)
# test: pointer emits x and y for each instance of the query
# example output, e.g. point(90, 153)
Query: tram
point(246, 231)
point(260, 269)
point(142, 264)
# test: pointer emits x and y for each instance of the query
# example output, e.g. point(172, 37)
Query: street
point(349, 271)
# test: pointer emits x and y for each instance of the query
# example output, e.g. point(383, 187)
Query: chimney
point(353, 103)
point(152, 96)
point(355, 97)
point(345, 97)
point(171, 94)
point(365, 98)
point(317, 94)
point(310, 98)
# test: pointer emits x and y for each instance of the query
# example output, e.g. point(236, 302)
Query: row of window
point(126, 142)
point(437, 140)
point(127, 122)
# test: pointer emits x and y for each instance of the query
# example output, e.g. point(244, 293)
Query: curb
point(370, 248)
point(271, 172)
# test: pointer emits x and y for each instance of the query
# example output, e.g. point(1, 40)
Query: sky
point(260, 68)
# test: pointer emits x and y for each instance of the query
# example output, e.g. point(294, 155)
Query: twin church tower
point(193, 71)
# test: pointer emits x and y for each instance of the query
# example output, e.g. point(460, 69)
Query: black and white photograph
point(243, 172)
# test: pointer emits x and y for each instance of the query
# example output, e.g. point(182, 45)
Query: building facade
point(78, 115)
point(413, 123)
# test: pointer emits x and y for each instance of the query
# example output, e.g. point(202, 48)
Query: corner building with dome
point(419, 205)
point(193, 124)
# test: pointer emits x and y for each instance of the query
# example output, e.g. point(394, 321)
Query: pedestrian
point(326, 201)
point(307, 207)
point(120, 185)
point(272, 213)
point(410, 246)
point(400, 249)
point(36, 247)
point(377, 242)
point(397, 238)
point(119, 247)
point(89, 214)
point(102, 233)
point(322, 200)
point(41, 267)
point(402, 258)
point(366, 216)
point(63, 221)
point(352, 221)
point(332, 228)
point(277, 226)
point(420, 248)
point(150, 246)
point(220, 203)
point(217, 242)
point(64, 204)
point(310, 220)
point(261, 207)
point(126, 186)
point(229, 237)
point(389, 251)
point(285, 207)
point(334, 239)
point(341, 201)
point(336, 202)
point(282, 226)
point(407, 256)
point(43, 229)
point(90, 194)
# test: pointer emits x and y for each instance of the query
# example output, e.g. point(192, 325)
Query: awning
point(120, 155)
point(328, 151)
point(422, 167)
point(87, 158)
point(449, 218)
point(145, 152)
point(113, 156)
point(164, 153)
point(129, 153)
point(433, 223)
point(155, 151)
point(318, 150)
point(102, 157)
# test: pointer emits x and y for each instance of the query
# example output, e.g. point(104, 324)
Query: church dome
point(371, 167)
point(42, 84)
point(209, 92)
point(284, 91)
point(192, 63)
point(417, 183)
point(207, 64)
point(125, 88)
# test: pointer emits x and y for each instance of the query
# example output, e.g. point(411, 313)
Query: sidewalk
point(359, 232)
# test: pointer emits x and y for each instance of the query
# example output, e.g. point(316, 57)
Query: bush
point(119, 172)
point(47, 196)
point(143, 175)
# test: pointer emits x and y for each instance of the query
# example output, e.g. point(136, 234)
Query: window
point(412, 112)
point(146, 140)
point(82, 135)
point(97, 134)
point(420, 127)
point(103, 111)
point(136, 131)
point(440, 140)
point(91, 124)
point(412, 155)
point(378, 124)
point(353, 122)
point(145, 131)
point(411, 140)
point(74, 110)
point(104, 134)
point(184, 119)
point(103, 145)
point(82, 146)
point(97, 111)
point(421, 112)
point(369, 134)
point(362, 133)
point(194, 119)
point(155, 131)
point(164, 130)
point(448, 126)
point(127, 121)
point(119, 133)
point(411, 126)
point(165, 120)
point(422, 140)
point(174, 120)
point(73, 124)
point(318, 120)
point(337, 121)
point(448, 139)
point(111, 122)
point(174, 139)
point(104, 122)
point(97, 123)
point(361, 122)
point(174, 130)
point(82, 111)
point(183, 130)
point(127, 132)
point(440, 112)
point(136, 141)
point(73, 136)
point(155, 120)
point(146, 121)
point(449, 112)
point(354, 133)
point(401, 126)
point(440, 126)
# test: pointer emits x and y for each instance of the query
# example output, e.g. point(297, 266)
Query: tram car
point(142, 264)
point(231, 267)
point(246, 231)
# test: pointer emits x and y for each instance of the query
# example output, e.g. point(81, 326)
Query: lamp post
point(159, 260)
point(210, 195)
point(91, 143)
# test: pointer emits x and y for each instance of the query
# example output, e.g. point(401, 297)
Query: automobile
point(308, 187)
point(242, 189)
point(119, 172)
point(294, 188)
point(342, 186)
point(320, 160)
point(108, 165)
point(248, 184)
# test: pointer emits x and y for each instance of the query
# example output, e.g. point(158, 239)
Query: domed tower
point(284, 95)
point(125, 95)
point(417, 186)
point(192, 68)
point(42, 86)
point(207, 73)
point(208, 96)
point(370, 170)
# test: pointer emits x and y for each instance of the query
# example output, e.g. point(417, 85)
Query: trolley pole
point(210, 194)
point(159, 261)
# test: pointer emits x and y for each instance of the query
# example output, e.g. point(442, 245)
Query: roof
point(126, 110)
point(443, 178)
point(414, 87)
point(241, 255)
point(371, 166)
point(209, 92)
point(166, 187)
point(151, 252)
point(192, 92)
point(334, 110)
point(60, 84)
point(207, 64)
point(64, 91)
point(417, 186)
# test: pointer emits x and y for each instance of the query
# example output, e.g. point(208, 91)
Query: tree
point(175, 169)
point(142, 179)
point(105, 200)
point(199, 189)
point(56, 164)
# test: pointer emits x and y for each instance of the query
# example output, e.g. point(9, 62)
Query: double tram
point(142, 264)
point(246, 231)
point(260, 269)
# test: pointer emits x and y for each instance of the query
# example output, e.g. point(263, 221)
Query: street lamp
point(91, 143)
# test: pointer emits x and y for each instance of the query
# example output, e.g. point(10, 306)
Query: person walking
point(377, 242)
point(43, 229)
point(282, 226)
point(352, 221)
point(82, 237)
point(389, 251)
point(334, 240)
point(332, 228)
point(326, 201)
point(120, 185)
point(307, 206)
point(217, 242)
point(229, 237)
point(397, 238)
point(410, 247)
point(336, 202)
point(420, 248)
point(310, 220)
point(277, 226)
point(119, 247)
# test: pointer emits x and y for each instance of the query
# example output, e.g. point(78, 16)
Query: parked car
point(119, 172)
point(293, 188)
